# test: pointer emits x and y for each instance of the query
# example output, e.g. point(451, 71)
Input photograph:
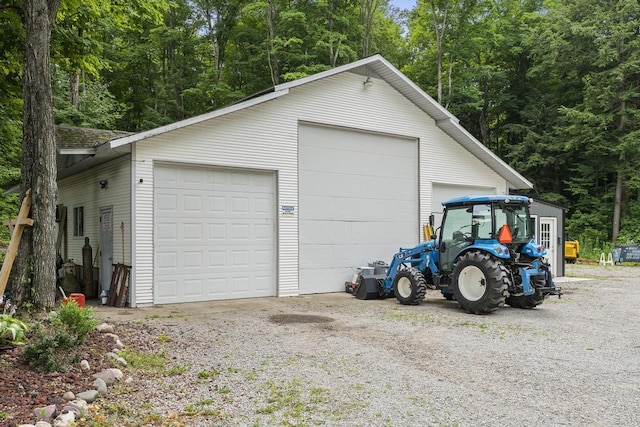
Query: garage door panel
point(349, 184)
point(342, 161)
point(344, 140)
point(375, 233)
point(358, 202)
point(215, 234)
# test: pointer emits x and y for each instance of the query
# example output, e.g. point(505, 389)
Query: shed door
point(548, 239)
point(358, 202)
point(213, 234)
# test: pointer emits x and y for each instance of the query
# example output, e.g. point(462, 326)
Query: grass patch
point(208, 374)
point(291, 404)
point(415, 318)
point(176, 370)
point(147, 363)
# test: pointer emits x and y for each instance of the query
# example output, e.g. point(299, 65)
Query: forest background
point(551, 87)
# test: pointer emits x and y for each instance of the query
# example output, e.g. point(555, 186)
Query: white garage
point(443, 192)
point(284, 193)
point(214, 234)
point(358, 200)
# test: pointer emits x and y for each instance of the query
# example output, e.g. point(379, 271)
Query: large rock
point(81, 405)
point(46, 413)
point(107, 376)
point(67, 419)
point(117, 373)
point(100, 385)
point(88, 396)
point(105, 328)
point(118, 359)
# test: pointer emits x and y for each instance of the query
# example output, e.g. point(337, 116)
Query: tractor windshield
point(516, 218)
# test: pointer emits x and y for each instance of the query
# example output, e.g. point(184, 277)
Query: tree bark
point(274, 62)
point(39, 153)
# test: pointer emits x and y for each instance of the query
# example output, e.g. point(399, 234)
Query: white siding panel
point(265, 136)
point(83, 189)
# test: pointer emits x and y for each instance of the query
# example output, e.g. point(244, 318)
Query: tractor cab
point(499, 224)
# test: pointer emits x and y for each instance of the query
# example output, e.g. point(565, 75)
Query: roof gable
point(376, 67)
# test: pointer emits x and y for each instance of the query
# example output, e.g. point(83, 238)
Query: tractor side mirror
point(532, 227)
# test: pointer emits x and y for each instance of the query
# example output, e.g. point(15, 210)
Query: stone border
point(77, 405)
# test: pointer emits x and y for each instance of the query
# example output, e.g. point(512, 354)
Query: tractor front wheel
point(530, 301)
point(480, 282)
point(410, 286)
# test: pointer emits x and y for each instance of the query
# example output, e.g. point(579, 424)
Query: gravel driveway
point(337, 361)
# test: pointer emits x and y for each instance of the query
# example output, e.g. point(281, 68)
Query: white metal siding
point(445, 191)
point(358, 202)
point(265, 137)
point(83, 189)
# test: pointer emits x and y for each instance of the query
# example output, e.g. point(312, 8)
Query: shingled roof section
point(75, 137)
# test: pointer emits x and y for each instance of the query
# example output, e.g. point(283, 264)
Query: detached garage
point(284, 193)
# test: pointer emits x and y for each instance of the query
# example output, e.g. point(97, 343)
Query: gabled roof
point(373, 66)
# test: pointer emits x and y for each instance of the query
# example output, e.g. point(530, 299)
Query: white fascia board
point(445, 114)
point(72, 151)
point(198, 119)
point(328, 73)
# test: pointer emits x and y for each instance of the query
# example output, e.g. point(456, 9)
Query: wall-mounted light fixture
point(104, 184)
point(368, 82)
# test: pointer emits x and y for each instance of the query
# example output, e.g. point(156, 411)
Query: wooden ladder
point(16, 227)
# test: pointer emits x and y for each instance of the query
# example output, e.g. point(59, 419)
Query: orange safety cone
point(504, 235)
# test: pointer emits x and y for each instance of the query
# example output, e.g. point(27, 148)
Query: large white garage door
point(358, 202)
point(444, 192)
point(213, 234)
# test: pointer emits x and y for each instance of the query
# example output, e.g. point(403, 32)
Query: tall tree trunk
point(367, 13)
point(617, 204)
point(39, 150)
point(273, 55)
point(439, 29)
point(74, 89)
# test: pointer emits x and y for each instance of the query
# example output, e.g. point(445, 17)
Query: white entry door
point(548, 239)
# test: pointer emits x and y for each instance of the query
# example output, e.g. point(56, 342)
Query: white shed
point(283, 193)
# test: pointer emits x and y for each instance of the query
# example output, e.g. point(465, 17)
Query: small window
point(78, 221)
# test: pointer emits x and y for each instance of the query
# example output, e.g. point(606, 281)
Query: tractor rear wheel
point(530, 301)
point(410, 286)
point(480, 282)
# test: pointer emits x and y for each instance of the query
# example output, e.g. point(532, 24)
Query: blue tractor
point(484, 256)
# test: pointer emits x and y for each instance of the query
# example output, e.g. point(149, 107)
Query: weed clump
point(55, 343)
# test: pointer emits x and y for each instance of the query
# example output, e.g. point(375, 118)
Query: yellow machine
point(571, 251)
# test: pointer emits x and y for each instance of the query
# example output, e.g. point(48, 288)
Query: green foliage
point(591, 248)
point(56, 343)
point(147, 363)
point(78, 321)
point(97, 108)
point(12, 330)
point(51, 350)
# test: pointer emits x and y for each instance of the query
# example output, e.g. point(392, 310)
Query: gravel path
point(334, 360)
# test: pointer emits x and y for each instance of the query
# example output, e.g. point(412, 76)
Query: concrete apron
point(108, 313)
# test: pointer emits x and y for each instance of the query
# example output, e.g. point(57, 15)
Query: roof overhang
point(374, 66)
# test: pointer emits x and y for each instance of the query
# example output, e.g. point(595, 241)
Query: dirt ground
point(334, 360)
